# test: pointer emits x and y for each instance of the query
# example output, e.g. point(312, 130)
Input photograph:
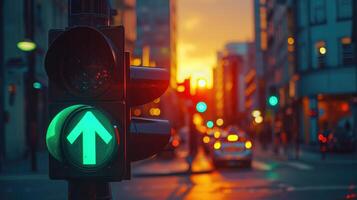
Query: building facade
point(327, 84)
point(305, 50)
point(156, 34)
point(156, 46)
point(126, 16)
point(45, 15)
point(229, 82)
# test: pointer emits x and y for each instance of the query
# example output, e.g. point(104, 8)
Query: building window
point(346, 51)
point(38, 17)
point(344, 9)
point(321, 52)
point(317, 11)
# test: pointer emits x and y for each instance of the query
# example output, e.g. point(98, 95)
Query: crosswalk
point(268, 166)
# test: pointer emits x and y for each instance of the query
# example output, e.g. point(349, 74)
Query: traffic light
point(209, 124)
point(183, 88)
point(91, 88)
point(201, 107)
point(87, 135)
point(273, 98)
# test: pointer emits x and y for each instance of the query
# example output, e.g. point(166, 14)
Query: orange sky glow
point(204, 27)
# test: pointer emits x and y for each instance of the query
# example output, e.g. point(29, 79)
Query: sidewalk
point(150, 167)
point(176, 166)
point(24, 166)
point(307, 153)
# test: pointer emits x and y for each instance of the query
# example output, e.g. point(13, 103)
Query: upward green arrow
point(89, 125)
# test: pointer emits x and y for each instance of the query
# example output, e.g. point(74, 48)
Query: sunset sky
point(204, 26)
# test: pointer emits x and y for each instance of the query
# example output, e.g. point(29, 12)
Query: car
point(233, 147)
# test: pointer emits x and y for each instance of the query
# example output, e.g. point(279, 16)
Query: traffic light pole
point(31, 101)
point(91, 13)
point(85, 190)
point(2, 88)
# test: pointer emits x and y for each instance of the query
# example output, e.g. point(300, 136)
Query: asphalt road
point(269, 178)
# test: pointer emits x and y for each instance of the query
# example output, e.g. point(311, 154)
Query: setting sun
point(202, 32)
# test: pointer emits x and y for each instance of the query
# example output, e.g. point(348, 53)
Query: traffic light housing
point(273, 98)
point(91, 89)
point(147, 136)
point(87, 84)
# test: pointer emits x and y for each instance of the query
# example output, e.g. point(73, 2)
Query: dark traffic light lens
point(82, 61)
point(88, 77)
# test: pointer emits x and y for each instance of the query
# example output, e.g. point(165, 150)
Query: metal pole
point(31, 96)
point(90, 13)
point(354, 42)
point(85, 190)
point(2, 90)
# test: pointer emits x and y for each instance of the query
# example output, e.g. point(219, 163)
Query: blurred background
point(282, 73)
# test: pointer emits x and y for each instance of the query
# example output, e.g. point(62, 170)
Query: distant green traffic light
point(201, 107)
point(210, 124)
point(273, 100)
point(37, 85)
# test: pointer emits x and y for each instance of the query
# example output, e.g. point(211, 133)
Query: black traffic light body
point(86, 66)
point(91, 90)
point(147, 136)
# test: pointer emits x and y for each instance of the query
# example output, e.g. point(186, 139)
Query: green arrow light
point(89, 125)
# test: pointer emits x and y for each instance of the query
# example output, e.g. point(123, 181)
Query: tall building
point(126, 16)
point(229, 83)
point(260, 49)
point(252, 87)
point(156, 46)
point(280, 67)
point(46, 15)
point(156, 34)
point(305, 50)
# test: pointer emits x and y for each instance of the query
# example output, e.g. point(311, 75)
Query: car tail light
point(322, 138)
point(217, 145)
point(217, 134)
point(248, 144)
point(206, 139)
point(175, 142)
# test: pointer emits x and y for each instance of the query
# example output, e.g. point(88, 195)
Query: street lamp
point(256, 113)
point(26, 45)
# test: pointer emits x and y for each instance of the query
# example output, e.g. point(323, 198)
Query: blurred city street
point(271, 177)
point(178, 99)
